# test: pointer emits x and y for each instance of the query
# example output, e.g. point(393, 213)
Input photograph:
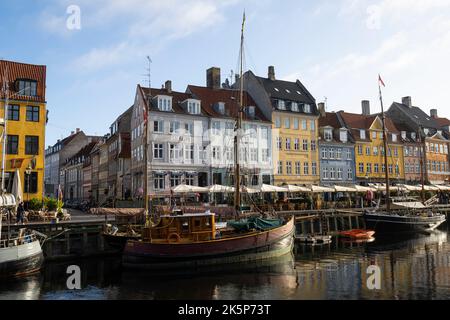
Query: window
point(375, 151)
point(287, 123)
point(159, 183)
point(14, 112)
point(343, 136)
point(307, 108)
point(194, 107)
point(32, 114)
point(391, 169)
point(328, 134)
point(289, 167)
point(374, 134)
point(277, 122)
point(349, 174)
point(31, 182)
point(27, 88)
point(189, 152)
point(294, 106)
point(305, 145)
point(254, 154)
point(324, 153)
point(189, 180)
point(396, 152)
point(216, 128)
point(306, 168)
point(12, 144)
point(381, 135)
point(394, 137)
point(296, 123)
point(31, 145)
point(281, 105)
point(297, 168)
point(332, 173)
point(312, 125)
point(175, 180)
point(362, 134)
point(279, 143)
point(297, 144)
point(361, 167)
point(216, 153)
point(313, 145)
point(165, 104)
point(158, 126)
point(325, 173)
point(376, 168)
point(314, 168)
point(264, 133)
point(339, 174)
point(280, 167)
point(339, 154)
point(360, 150)
point(369, 168)
point(304, 125)
point(175, 152)
point(265, 155)
point(288, 144)
point(189, 128)
point(174, 126)
point(367, 151)
point(158, 151)
point(331, 153)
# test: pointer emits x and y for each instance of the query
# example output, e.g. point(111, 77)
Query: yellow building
point(23, 91)
point(367, 131)
point(295, 150)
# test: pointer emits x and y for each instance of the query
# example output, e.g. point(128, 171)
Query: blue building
point(336, 151)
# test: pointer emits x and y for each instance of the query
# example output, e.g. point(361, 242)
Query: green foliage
point(35, 204)
point(59, 206)
point(50, 204)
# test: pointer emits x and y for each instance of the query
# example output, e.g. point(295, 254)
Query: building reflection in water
point(411, 268)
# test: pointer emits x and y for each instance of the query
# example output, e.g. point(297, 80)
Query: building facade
point(432, 133)
point(367, 132)
point(22, 89)
point(336, 151)
point(294, 116)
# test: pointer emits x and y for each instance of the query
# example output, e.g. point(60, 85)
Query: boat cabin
point(182, 228)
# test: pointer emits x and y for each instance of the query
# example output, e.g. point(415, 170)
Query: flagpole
point(388, 204)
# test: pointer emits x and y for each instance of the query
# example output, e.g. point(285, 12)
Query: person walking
point(20, 213)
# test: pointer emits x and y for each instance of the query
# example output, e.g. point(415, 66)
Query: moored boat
point(192, 240)
point(357, 234)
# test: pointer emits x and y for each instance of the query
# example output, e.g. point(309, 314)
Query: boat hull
point(21, 260)
point(117, 242)
point(256, 246)
point(393, 223)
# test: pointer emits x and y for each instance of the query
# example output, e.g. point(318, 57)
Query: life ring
point(174, 234)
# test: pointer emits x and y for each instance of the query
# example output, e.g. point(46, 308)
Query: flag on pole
point(381, 81)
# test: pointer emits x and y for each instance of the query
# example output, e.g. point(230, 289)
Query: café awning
point(182, 188)
point(291, 188)
point(320, 189)
point(220, 189)
point(265, 188)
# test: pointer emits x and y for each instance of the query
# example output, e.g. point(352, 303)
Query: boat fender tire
point(173, 235)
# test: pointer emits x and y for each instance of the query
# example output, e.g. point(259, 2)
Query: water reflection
point(415, 267)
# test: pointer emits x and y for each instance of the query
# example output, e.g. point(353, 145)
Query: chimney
point(407, 101)
point(271, 73)
point(365, 107)
point(72, 133)
point(168, 86)
point(77, 130)
point(434, 113)
point(213, 78)
point(322, 111)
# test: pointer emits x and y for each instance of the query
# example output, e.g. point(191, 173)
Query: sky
point(95, 51)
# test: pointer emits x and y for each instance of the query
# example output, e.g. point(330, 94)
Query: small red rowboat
point(357, 234)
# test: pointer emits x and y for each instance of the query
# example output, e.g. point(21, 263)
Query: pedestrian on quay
point(20, 213)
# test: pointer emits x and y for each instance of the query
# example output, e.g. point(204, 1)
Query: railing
point(14, 242)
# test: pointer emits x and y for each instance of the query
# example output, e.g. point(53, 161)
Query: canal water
point(412, 267)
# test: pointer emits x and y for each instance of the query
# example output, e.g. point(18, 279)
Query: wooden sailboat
point(409, 218)
point(192, 240)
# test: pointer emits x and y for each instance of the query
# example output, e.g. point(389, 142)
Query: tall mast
point(237, 198)
point(146, 206)
point(5, 90)
point(422, 165)
point(388, 204)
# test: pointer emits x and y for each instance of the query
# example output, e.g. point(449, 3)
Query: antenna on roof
point(326, 103)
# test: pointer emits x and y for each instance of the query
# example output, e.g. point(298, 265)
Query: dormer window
point(404, 135)
point(394, 137)
point(219, 107)
point(193, 106)
point(328, 134)
point(164, 103)
point(362, 134)
point(281, 105)
point(294, 107)
point(413, 136)
point(343, 135)
point(426, 131)
point(26, 87)
point(307, 108)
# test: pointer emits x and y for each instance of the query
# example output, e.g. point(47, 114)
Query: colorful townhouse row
point(287, 138)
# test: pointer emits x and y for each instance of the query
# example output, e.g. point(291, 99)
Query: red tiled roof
point(17, 70)
point(209, 97)
point(442, 122)
point(177, 98)
point(330, 120)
